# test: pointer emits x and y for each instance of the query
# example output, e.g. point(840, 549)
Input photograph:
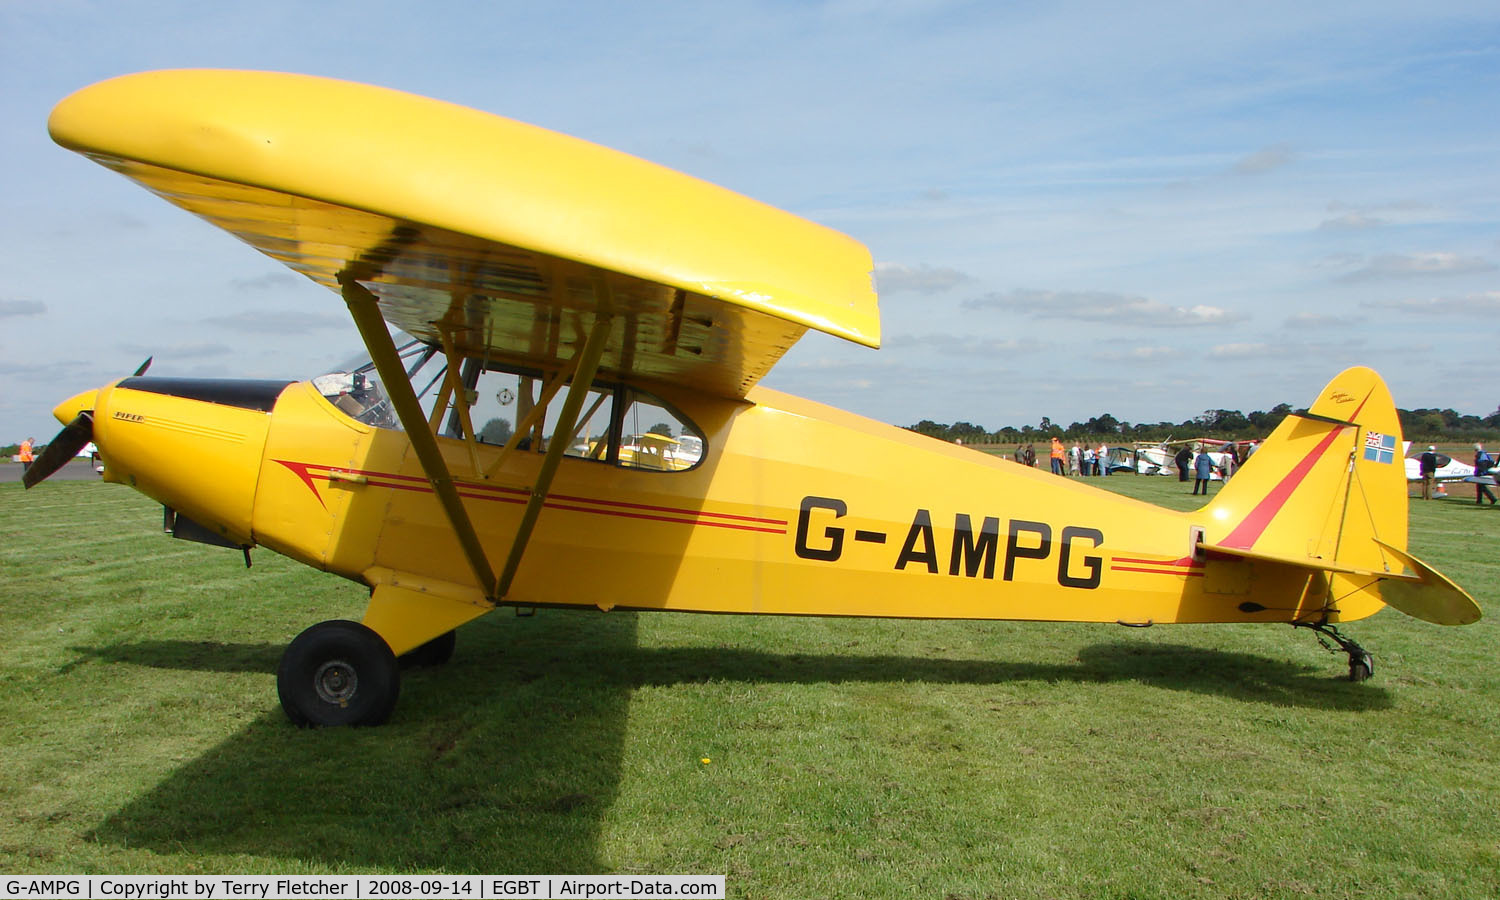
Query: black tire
point(1361, 668)
point(435, 652)
point(338, 673)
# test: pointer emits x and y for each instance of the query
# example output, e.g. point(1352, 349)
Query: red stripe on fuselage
point(308, 472)
point(1185, 573)
point(1186, 561)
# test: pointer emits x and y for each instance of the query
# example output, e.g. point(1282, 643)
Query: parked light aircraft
point(1153, 459)
point(1161, 458)
point(571, 296)
point(1448, 470)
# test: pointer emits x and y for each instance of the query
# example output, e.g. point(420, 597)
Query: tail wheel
point(1361, 663)
point(338, 673)
point(1361, 666)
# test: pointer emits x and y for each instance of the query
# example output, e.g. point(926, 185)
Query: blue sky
point(1075, 208)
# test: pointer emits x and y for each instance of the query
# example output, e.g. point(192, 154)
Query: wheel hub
point(336, 681)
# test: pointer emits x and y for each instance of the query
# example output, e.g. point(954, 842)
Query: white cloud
point(1366, 217)
point(893, 278)
point(966, 345)
point(1141, 354)
point(1320, 320)
point(1265, 160)
point(179, 351)
point(278, 321)
point(1319, 357)
point(1480, 307)
point(1101, 306)
point(1387, 266)
point(1354, 221)
point(1247, 350)
point(9, 308)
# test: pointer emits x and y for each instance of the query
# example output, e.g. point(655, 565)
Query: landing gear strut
point(1361, 664)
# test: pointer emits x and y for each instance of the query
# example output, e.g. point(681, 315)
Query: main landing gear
point(1361, 664)
point(343, 673)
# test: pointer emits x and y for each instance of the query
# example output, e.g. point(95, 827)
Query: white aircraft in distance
point(1160, 458)
point(1449, 469)
point(1153, 459)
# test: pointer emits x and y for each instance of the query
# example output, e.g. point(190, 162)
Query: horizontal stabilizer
point(1420, 591)
point(1304, 562)
point(1432, 597)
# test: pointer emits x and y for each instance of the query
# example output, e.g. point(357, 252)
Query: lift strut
point(364, 307)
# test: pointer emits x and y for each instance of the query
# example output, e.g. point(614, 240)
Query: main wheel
point(338, 673)
point(433, 653)
point(1361, 666)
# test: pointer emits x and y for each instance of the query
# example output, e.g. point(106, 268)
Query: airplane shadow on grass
point(507, 759)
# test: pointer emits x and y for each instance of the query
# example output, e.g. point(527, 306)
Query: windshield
point(354, 387)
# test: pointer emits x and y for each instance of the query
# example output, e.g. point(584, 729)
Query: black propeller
point(74, 437)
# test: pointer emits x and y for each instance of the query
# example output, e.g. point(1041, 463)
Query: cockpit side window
point(504, 402)
point(654, 436)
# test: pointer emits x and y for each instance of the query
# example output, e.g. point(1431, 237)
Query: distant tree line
point(1416, 424)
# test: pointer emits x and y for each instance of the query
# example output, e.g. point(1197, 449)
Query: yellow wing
point(481, 229)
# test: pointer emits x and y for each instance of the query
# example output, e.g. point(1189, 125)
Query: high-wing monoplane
point(576, 420)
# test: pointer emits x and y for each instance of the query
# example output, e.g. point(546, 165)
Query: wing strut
point(366, 312)
point(583, 378)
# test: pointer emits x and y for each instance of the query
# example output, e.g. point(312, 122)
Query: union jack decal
point(1379, 447)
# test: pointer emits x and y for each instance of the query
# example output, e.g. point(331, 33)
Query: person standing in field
point(1056, 454)
point(25, 455)
point(1203, 468)
point(1483, 466)
point(1427, 466)
point(1184, 460)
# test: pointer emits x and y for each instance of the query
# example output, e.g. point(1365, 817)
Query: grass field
point(140, 733)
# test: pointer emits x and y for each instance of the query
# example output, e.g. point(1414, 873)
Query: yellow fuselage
point(796, 509)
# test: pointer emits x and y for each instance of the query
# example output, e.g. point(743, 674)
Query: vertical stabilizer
point(1325, 484)
point(1327, 490)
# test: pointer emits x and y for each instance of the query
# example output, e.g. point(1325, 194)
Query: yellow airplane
point(561, 297)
